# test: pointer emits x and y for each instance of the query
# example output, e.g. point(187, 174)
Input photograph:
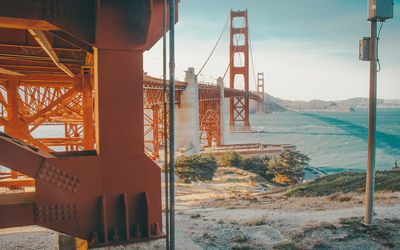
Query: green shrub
point(195, 168)
point(230, 159)
point(255, 165)
point(288, 168)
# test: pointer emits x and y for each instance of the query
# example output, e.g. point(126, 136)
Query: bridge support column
point(187, 116)
point(220, 84)
point(260, 92)
point(239, 106)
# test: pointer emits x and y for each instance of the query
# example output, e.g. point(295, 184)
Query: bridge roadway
point(42, 101)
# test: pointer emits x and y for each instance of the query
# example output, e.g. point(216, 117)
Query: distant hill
point(274, 104)
point(361, 102)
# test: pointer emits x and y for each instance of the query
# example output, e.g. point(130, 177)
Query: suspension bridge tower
point(260, 93)
point(239, 71)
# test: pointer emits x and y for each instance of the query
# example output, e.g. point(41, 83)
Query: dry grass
point(264, 220)
point(308, 230)
point(385, 196)
point(340, 197)
point(347, 182)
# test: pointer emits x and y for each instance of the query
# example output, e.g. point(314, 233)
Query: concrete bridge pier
point(187, 135)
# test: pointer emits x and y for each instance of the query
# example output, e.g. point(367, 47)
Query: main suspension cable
point(231, 56)
point(215, 46)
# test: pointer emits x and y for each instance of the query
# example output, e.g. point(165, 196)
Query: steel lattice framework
point(59, 102)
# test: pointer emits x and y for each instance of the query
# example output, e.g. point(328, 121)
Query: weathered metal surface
point(108, 196)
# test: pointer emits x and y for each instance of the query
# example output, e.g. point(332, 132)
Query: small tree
point(195, 168)
point(230, 159)
point(288, 168)
point(255, 164)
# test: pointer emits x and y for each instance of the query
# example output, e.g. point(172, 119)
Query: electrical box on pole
point(364, 49)
point(380, 10)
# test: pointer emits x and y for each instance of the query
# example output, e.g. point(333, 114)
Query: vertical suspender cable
point(171, 121)
point(165, 135)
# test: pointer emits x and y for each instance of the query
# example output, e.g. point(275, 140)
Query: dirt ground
point(237, 211)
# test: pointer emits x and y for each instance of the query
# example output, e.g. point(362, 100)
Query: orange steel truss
point(68, 103)
point(209, 112)
point(31, 104)
point(209, 115)
point(153, 99)
point(239, 46)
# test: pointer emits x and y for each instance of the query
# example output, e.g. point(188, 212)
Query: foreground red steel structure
point(56, 53)
point(64, 64)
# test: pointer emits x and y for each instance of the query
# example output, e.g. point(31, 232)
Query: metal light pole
point(171, 122)
point(370, 181)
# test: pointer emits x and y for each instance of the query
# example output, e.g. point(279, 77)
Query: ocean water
point(333, 141)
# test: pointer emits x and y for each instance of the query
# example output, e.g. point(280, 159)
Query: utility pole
point(378, 11)
point(370, 181)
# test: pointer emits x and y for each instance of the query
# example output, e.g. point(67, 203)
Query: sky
point(307, 49)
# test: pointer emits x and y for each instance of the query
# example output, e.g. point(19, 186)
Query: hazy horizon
point(309, 47)
point(334, 100)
